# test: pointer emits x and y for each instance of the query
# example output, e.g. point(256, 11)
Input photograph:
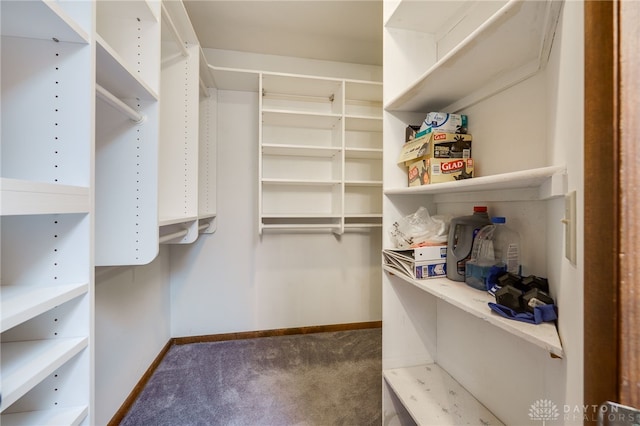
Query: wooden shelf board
point(27, 363)
point(54, 417)
point(21, 303)
point(433, 397)
point(475, 302)
point(509, 47)
point(21, 197)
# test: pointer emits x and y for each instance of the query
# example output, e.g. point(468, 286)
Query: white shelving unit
point(207, 150)
point(472, 51)
point(182, 216)
point(81, 85)
point(46, 293)
point(320, 153)
point(128, 68)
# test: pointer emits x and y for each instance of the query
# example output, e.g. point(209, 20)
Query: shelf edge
point(510, 326)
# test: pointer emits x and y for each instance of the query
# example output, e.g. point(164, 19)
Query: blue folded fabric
point(540, 313)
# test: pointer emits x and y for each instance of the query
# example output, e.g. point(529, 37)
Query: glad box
point(436, 170)
point(436, 145)
point(449, 169)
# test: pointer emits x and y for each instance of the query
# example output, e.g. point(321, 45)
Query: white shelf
point(296, 85)
point(41, 19)
point(363, 183)
point(21, 197)
point(320, 151)
point(302, 226)
point(475, 302)
point(285, 118)
point(365, 91)
point(113, 73)
point(55, 417)
point(301, 182)
point(300, 150)
point(21, 303)
point(361, 123)
point(549, 182)
point(173, 220)
point(27, 363)
point(300, 216)
point(363, 153)
point(138, 9)
point(521, 31)
point(433, 397)
point(354, 225)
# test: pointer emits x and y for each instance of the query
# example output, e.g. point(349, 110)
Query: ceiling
point(334, 30)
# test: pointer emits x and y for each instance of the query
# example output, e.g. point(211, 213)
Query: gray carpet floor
point(311, 379)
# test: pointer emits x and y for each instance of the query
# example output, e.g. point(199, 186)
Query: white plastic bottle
point(506, 245)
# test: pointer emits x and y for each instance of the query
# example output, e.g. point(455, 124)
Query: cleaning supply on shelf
point(506, 245)
point(482, 259)
point(462, 231)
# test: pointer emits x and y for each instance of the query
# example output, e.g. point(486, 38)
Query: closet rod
point(203, 227)
point(112, 100)
point(174, 31)
point(173, 235)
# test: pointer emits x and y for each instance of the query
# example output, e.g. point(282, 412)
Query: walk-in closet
point(225, 174)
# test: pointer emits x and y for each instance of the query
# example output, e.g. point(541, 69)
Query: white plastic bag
point(420, 229)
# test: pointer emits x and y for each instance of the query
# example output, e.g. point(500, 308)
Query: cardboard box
point(436, 170)
point(449, 169)
point(430, 269)
point(430, 252)
point(445, 122)
point(410, 133)
point(430, 261)
point(436, 145)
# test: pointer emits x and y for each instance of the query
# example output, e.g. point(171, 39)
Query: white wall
point(131, 328)
point(234, 280)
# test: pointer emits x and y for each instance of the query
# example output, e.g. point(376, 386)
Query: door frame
point(611, 203)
